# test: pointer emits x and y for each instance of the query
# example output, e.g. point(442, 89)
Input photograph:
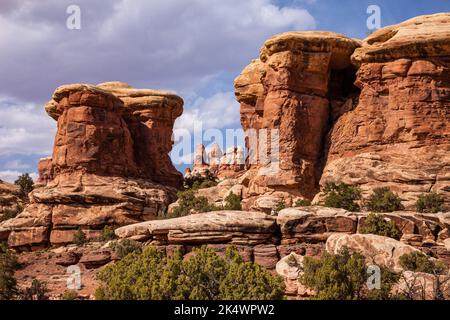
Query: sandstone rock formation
point(45, 169)
point(220, 165)
point(110, 164)
point(372, 113)
point(398, 135)
point(284, 97)
point(233, 227)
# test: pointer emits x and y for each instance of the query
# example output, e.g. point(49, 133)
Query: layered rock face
point(45, 169)
point(398, 135)
point(285, 99)
point(110, 164)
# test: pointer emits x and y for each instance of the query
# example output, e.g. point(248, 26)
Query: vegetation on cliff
point(150, 275)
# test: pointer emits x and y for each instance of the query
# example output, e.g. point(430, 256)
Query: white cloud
point(25, 129)
point(219, 111)
point(173, 44)
point(11, 175)
point(188, 46)
point(16, 165)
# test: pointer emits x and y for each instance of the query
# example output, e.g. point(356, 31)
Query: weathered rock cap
point(340, 46)
point(113, 95)
point(78, 94)
point(423, 36)
point(138, 100)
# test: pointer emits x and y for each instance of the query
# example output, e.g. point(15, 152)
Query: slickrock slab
point(238, 227)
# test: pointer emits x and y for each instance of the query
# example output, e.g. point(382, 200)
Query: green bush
point(108, 234)
point(204, 276)
point(303, 203)
point(429, 203)
point(79, 238)
point(343, 277)
point(69, 295)
point(376, 224)
point(8, 266)
point(37, 291)
point(384, 200)
point(341, 196)
point(419, 262)
point(280, 206)
point(198, 181)
point(26, 184)
point(125, 247)
point(233, 202)
point(188, 203)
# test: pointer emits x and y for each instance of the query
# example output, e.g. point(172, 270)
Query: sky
point(193, 47)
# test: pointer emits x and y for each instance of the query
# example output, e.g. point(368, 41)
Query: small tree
point(429, 203)
point(124, 247)
point(69, 295)
point(376, 224)
point(188, 203)
point(197, 181)
point(26, 184)
point(108, 233)
point(8, 266)
point(280, 206)
point(419, 262)
point(303, 203)
point(384, 200)
point(232, 202)
point(342, 196)
point(37, 291)
point(150, 275)
point(343, 277)
point(79, 238)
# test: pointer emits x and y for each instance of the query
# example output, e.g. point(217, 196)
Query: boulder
point(382, 251)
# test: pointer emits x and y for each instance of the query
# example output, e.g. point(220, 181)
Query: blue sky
point(194, 47)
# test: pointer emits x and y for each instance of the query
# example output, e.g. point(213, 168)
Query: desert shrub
point(26, 184)
point(150, 275)
point(8, 266)
point(190, 203)
point(69, 295)
point(419, 262)
point(303, 203)
point(376, 224)
point(37, 291)
point(343, 276)
point(79, 238)
point(384, 200)
point(280, 206)
point(125, 247)
point(108, 234)
point(232, 202)
point(197, 181)
point(341, 196)
point(429, 203)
